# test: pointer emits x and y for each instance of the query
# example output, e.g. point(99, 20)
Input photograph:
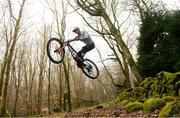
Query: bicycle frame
point(88, 67)
point(71, 49)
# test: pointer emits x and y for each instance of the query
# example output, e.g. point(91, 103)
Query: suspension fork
point(58, 50)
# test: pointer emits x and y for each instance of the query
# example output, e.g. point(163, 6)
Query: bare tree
point(42, 66)
point(61, 27)
point(99, 9)
point(17, 73)
point(10, 54)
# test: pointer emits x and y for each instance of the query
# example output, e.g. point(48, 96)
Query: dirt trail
point(111, 111)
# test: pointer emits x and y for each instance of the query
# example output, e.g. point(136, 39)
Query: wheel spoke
point(90, 69)
point(54, 54)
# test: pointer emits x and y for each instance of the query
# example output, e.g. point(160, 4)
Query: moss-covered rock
point(167, 82)
point(170, 110)
point(169, 98)
point(153, 103)
point(134, 106)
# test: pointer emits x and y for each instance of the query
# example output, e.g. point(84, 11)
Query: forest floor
point(116, 110)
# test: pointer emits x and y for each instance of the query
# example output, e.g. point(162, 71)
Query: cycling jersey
point(85, 37)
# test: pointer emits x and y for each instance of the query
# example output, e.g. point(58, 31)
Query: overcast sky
point(37, 10)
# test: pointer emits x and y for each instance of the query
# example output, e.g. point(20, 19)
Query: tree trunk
point(60, 89)
point(40, 92)
point(3, 70)
point(95, 8)
point(123, 46)
point(68, 87)
point(9, 60)
point(30, 90)
point(49, 87)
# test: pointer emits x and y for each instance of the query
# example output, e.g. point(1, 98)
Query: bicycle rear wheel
point(90, 69)
point(53, 53)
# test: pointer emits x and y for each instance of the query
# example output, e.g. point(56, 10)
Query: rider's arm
point(70, 40)
point(76, 38)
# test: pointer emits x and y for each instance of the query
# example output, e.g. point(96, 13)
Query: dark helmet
point(75, 28)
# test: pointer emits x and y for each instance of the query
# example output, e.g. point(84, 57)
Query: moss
point(169, 98)
point(134, 106)
point(177, 88)
point(125, 102)
point(166, 112)
point(171, 110)
point(152, 104)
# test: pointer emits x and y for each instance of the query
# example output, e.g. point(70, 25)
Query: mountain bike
point(56, 53)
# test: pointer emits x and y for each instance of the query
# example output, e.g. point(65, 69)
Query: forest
point(137, 45)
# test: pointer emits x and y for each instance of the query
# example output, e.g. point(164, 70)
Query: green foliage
point(125, 102)
point(170, 110)
point(177, 88)
point(147, 85)
point(159, 43)
point(126, 94)
point(134, 106)
point(117, 100)
point(152, 104)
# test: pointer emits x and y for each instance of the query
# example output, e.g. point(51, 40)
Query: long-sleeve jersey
point(85, 37)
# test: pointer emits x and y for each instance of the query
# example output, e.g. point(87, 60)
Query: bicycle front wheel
point(53, 50)
point(90, 69)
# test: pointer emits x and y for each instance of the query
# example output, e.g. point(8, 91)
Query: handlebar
point(70, 40)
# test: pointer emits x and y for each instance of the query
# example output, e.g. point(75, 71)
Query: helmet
point(75, 28)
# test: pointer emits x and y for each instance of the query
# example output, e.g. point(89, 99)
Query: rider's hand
point(77, 38)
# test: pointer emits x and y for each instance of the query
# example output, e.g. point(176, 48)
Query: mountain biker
point(85, 38)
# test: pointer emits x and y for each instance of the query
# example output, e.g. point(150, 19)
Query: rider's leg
point(85, 49)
